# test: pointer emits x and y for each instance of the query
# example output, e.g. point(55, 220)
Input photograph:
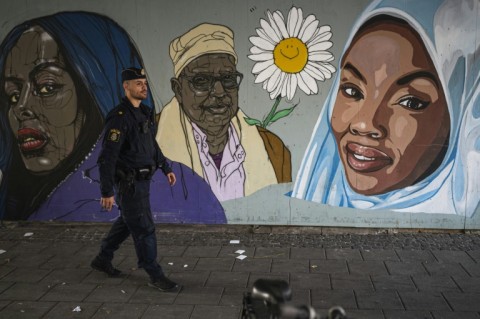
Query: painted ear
point(177, 88)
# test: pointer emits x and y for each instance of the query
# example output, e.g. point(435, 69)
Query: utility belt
point(130, 174)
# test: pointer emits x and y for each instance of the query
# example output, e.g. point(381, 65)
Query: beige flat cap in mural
point(202, 39)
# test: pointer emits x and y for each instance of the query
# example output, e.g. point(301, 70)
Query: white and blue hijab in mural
point(449, 31)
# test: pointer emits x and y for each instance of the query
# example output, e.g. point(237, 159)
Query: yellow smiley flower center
point(290, 55)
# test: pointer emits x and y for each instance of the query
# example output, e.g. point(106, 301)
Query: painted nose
point(23, 109)
point(368, 122)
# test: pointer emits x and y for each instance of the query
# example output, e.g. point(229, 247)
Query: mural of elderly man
point(234, 158)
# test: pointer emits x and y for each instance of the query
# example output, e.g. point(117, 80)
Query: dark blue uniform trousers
point(135, 219)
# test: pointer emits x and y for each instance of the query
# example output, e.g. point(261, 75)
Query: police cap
point(133, 74)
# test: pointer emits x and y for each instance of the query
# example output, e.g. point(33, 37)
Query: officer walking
point(129, 157)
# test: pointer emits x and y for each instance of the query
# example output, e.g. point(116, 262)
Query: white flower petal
point(262, 43)
point(292, 87)
point(285, 84)
point(309, 81)
point(319, 56)
point(321, 46)
point(257, 50)
point(260, 66)
point(273, 81)
point(264, 85)
point(299, 23)
point(302, 85)
point(326, 68)
point(261, 56)
point(316, 73)
point(308, 28)
point(277, 16)
point(275, 35)
point(265, 74)
point(262, 34)
point(278, 89)
point(294, 21)
point(274, 25)
point(329, 67)
point(322, 34)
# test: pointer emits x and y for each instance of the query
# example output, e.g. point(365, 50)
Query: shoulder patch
point(114, 135)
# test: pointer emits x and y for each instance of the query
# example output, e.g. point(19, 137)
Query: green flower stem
point(270, 115)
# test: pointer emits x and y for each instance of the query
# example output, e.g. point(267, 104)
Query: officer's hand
point(171, 178)
point(107, 202)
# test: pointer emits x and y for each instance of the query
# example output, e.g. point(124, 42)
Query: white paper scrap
point(77, 309)
point(28, 234)
point(171, 264)
point(241, 257)
point(234, 241)
point(185, 266)
point(123, 291)
point(240, 251)
point(2, 251)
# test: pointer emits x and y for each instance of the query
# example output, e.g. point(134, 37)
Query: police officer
point(129, 157)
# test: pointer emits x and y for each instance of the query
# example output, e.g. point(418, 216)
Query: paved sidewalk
point(402, 275)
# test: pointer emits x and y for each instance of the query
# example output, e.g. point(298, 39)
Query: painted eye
point(45, 90)
point(352, 92)
point(14, 98)
point(413, 103)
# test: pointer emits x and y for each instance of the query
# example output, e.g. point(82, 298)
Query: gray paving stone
point(290, 265)
point(324, 299)
point(463, 301)
point(393, 282)
point(254, 276)
point(26, 309)
point(232, 296)
point(307, 253)
point(168, 312)
point(405, 268)
point(300, 297)
point(379, 254)
point(451, 256)
point(97, 277)
point(365, 314)
point(33, 260)
point(202, 251)
point(472, 268)
point(63, 310)
point(328, 266)
point(69, 275)
point(409, 314)
point(309, 281)
point(4, 303)
point(178, 263)
point(423, 301)
point(215, 312)
point(190, 278)
point(145, 294)
point(199, 296)
point(371, 267)
point(5, 270)
point(415, 255)
point(128, 263)
point(340, 253)
point(120, 311)
point(272, 252)
point(378, 300)
point(4, 285)
point(24, 291)
point(169, 250)
point(475, 254)
point(215, 264)
point(227, 279)
point(468, 284)
point(26, 275)
point(64, 248)
point(455, 315)
point(230, 251)
point(435, 283)
point(447, 269)
point(111, 293)
point(68, 292)
point(351, 282)
point(252, 265)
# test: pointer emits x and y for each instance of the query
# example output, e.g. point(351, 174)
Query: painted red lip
point(31, 139)
point(366, 159)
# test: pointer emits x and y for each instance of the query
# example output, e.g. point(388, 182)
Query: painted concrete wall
point(295, 172)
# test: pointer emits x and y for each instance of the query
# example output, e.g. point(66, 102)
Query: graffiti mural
point(234, 158)
point(400, 127)
point(59, 81)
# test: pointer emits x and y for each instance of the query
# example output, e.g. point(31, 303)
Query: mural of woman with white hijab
point(400, 128)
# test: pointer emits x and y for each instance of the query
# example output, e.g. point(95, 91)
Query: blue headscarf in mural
point(448, 30)
point(95, 47)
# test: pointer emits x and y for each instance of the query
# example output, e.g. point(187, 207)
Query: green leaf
point(251, 121)
point(282, 114)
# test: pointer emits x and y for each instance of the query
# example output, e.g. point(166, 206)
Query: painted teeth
point(363, 158)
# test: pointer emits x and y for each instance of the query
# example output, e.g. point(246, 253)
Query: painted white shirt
point(228, 181)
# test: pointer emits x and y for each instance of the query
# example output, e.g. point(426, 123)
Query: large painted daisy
point(290, 54)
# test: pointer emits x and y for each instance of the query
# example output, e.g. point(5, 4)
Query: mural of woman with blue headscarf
point(400, 127)
point(60, 75)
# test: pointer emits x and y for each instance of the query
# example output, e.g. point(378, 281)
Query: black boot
point(163, 284)
point(105, 266)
